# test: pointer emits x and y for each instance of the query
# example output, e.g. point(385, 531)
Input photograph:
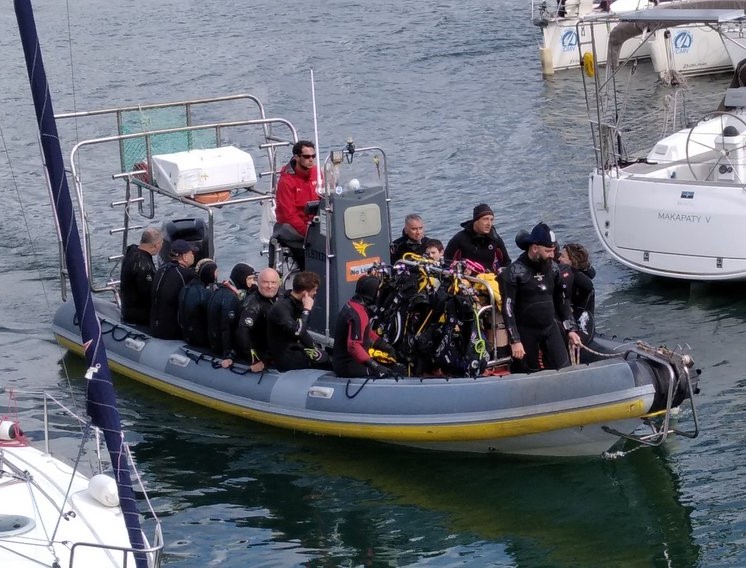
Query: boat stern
point(649, 217)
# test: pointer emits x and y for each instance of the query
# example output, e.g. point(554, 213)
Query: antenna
point(316, 133)
point(326, 211)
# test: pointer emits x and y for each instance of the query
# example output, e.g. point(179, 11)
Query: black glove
point(378, 370)
point(383, 346)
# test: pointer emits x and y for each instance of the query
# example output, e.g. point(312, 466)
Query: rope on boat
point(108, 327)
point(575, 353)
point(357, 392)
point(599, 354)
point(216, 362)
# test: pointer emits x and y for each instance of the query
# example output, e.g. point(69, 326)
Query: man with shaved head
point(136, 279)
point(251, 334)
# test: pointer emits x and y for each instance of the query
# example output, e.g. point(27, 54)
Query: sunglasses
point(308, 156)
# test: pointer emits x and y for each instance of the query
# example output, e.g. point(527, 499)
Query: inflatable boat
point(617, 391)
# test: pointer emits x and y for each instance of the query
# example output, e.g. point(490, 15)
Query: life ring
point(210, 198)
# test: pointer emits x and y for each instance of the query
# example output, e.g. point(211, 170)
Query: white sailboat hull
point(734, 41)
point(689, 51)
point(667, 227)
point(31, 530)
point(561, 37)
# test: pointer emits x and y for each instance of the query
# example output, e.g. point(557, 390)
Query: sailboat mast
point(101, 398)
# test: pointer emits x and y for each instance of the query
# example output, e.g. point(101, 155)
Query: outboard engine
point(355, 221)
point(193, 230)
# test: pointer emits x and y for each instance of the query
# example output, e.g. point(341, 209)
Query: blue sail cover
point(101, 404)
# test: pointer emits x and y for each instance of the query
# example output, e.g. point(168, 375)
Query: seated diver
point(193, 298)
point(223, 309)
point(251, 334)
point(290, 344)
point(353, 336)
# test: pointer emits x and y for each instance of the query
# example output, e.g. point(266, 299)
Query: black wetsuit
point(287, 334)
point(404, 244)
point(223, 308)
point(578, 286)
point(136, 285)
point(251, 333)
point(167, 283)
point(533, 298)
point(193, 312)
point(488, 250)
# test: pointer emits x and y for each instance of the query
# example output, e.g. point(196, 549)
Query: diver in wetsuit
point(577, 280)
point(353, 335)
point(532, 297)
point(223, 309)
point(290, 344)
point(193, 300)
point(167, 283)
point(136, 278)
point(251, 334)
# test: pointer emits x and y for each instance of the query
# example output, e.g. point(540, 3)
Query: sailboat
point(52, 515)
point(677, 210)
point(572, 30)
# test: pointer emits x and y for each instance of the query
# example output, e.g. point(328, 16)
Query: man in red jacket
point(296, 187)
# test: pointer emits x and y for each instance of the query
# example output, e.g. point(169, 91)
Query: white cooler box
point(204, 171)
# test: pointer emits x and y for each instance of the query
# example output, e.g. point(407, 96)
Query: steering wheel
point(726, 153)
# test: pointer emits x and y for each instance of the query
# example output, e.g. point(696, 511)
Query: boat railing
point(140, 190)
point(606, 93)
point(603, 100)
point(153, 554)
point(542, 11)
point(145, 118)
point(677, 368)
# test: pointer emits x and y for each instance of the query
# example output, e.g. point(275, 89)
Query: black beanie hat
point(367, 288)
point(206, 269)
point(480, 211)
point(240, 273)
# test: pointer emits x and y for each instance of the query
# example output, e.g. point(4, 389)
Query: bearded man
point(533, 298)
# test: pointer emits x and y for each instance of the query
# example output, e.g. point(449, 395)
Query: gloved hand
point(383, 346)
point(378, 370)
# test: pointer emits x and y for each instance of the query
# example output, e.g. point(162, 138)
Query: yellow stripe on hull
point(473, 431)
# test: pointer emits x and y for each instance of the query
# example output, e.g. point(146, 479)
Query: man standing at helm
point(532, 297)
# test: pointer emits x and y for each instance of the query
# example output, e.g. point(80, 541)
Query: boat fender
point(588, 66)
point(104, 490)
point(9, 430)
point(545, 56)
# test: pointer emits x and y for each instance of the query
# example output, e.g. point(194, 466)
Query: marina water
point(452, 91)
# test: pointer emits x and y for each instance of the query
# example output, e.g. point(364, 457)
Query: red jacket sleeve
point(286, 209)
